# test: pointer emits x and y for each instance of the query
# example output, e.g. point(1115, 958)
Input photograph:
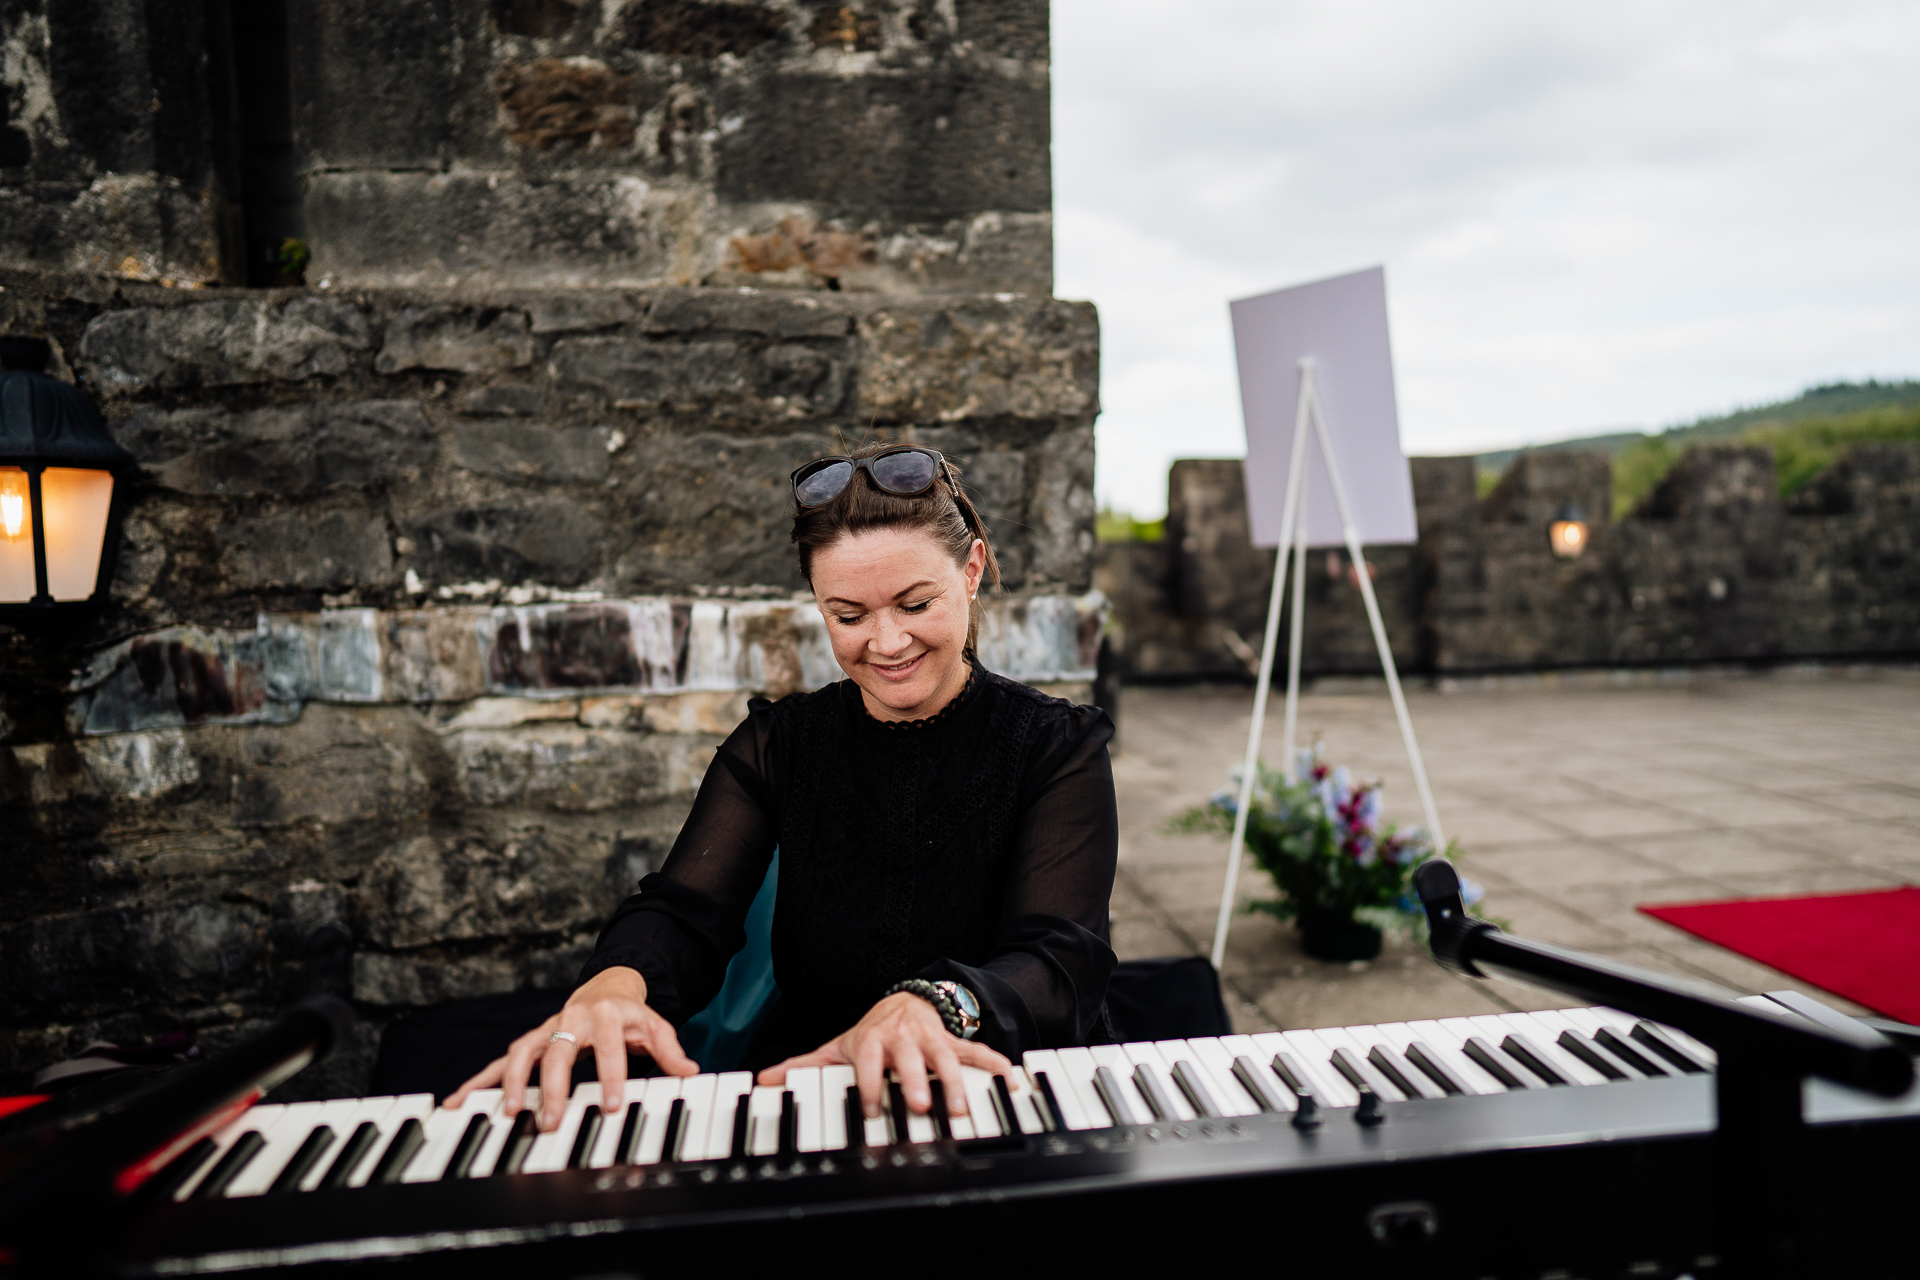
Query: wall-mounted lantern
point(60, 487)
point(1567, 532)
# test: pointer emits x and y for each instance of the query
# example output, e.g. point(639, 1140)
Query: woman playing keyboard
point(946, 836)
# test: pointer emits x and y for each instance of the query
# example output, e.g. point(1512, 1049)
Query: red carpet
point(1864, 946)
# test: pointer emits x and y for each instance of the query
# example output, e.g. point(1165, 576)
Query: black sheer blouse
point(976, 845)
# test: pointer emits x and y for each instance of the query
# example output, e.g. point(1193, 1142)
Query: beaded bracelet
point(949, 1015)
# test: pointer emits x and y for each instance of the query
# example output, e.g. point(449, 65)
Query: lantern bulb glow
point(13, 514)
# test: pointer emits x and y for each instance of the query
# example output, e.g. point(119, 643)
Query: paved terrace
point(1572, 802)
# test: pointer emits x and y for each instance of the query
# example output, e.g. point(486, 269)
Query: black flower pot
point(1336, 939)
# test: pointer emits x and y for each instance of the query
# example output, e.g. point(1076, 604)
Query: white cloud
point(1591, 216)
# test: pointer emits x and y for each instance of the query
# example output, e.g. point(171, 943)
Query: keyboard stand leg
point(1757, 1179)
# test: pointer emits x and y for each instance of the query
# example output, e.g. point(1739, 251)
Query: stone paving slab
point(1572, 805)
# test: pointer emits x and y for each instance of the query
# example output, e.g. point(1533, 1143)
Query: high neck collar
point(960, 699)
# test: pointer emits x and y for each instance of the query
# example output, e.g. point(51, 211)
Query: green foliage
point(1118, 526)
point(1638, 468)
point(1485, 481)
point(292, 257)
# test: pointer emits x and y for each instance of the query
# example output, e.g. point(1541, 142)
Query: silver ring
point(568, 1036)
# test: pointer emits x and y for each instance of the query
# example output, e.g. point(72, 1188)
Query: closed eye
point(915, 608)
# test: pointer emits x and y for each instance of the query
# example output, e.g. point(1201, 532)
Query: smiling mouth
point(898, 670)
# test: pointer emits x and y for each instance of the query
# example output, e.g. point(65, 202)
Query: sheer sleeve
point(1046, 982)
point(684, 925)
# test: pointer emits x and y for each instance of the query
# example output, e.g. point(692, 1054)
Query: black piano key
point(162, 1186)
point(1580, 1047)
point(518, 1145)
point(238, 1157)
point(1289, 1070)
point(742, 1118)
point(1187, 1076)
point(1609, 1040)
point(1360, 1074)
point(1528, 1055)
point(1386, 1062)
point(942, 1123)
point(359, 1142)
point(789, 1141)
point(1047, 1104)
point(583, 1139)
point(1157, 1100)
point(475, 1134)
point(1258, 1084)
point(1003, 1109)
point(1490, 1062)
point(1429, 1062)
point(1112, 1096)
point(897, 1110)
point(304, 1158)
point(856, 1118)
point(406, 1144)
point(676, 1121)
point(1657, 1040)
point(629, 1145)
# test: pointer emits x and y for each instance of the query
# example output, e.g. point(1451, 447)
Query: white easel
point(1293, 536)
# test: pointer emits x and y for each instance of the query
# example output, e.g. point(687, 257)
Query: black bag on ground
point(1166, 999)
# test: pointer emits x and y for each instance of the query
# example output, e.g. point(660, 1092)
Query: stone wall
point(1713, 566)
point(432, 604)
point(898, 145)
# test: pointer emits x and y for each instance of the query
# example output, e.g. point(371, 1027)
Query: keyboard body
point(1595, 1175)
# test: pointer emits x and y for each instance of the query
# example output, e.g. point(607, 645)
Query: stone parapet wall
point(1713, 566)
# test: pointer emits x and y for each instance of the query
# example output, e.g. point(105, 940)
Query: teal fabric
point(717, 1037)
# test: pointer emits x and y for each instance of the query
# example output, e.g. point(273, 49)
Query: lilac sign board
point(1342, 324)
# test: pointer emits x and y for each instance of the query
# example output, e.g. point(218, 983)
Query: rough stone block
point(538, 541)
point(433, 655)
point(334, 767)
point(639, 374)
point(373, 81)
point(747, 311)
point(575, 455)
point(187, 676)
point(582, 311)
point(406, 981)
point(459, 339)
point(803, 380)
point(563, 767)
point(217, 344)
point(285, 451)
point(979, 358)
point(1061, 510)
point(325, 550)
point(502, 402)
point(433, 890)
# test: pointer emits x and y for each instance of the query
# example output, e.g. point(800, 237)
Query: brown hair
point(944, 512)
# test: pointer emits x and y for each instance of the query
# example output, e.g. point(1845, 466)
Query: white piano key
point(1624, 1023)
point(662, 1092)
point(763, 1120)
point(1543, 1035)
point(551, 1149)
point(1458, 1030)
point(443, 1130)
point(1141, 1054)
point(980, 1096)
point(339, 1115)
point(877, 1131)
point(358, 1111)
point(810, 1130)
point(697, 1093)
point(292, 1128)
point(1555, 1021)
point(728, 1089)
point(960, 1127)
point(1316, 1058)
point(1491, 1028)
point(1238, 1046)
point(1025, 1113)
point(606, 1145)
point(920, 1128)
point(835, 1080)
point(1114, 1058)
point(259, 1118)
point(1356, 1045)
point(1448, 1050)
point(1078, 1065)
point(411, 1106)
point(1212, 1057)
point(1047, 1061)
point(1395, 1037)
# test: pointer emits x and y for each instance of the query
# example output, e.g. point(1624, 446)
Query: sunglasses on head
point(906, 472)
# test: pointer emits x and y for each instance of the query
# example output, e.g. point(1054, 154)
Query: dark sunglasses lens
point(903, 472)
point(824, 485)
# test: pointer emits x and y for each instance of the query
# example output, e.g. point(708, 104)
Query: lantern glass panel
point(16, 537)
point(77, 503)
point(1568, 538)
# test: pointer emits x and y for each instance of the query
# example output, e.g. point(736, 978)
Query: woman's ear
point(976, 566)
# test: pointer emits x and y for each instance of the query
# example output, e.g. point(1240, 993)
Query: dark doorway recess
point(272, 202)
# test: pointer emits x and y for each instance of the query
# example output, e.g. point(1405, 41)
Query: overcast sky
point(1591, 216)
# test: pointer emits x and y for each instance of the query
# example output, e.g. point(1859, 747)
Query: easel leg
point(1379, 630)
point(1292, 761)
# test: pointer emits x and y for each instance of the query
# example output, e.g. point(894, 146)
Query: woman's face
point(896, 607)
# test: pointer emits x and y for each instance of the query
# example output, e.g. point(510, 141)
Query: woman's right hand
point(607, 1013)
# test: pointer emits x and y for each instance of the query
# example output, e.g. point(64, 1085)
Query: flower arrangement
point(1343, 873)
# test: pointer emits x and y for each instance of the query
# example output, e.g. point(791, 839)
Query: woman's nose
point(889, 637)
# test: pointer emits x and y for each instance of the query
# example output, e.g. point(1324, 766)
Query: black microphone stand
point(1763, 1060)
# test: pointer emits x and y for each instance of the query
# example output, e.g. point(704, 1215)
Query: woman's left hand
point(903, 1032)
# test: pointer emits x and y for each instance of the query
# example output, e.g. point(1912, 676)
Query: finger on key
point(662, 1043)
point(911, 1066)
point(488, 1077)
point(978, 1055)
point(610, 1059)
point(556, 1081)
point(519, 1067)
point(870, 1074)
point(946, 1065)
